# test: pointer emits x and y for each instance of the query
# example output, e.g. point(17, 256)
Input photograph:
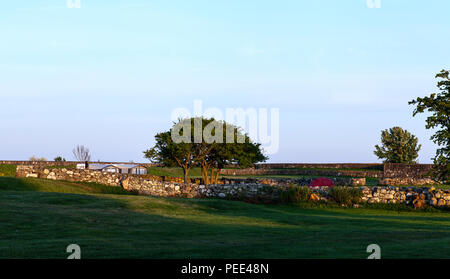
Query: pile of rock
point(401, 181)
point(341, 181)
point(75, 175)
point(390, 194)
point(157, 188)
point(259, 190)
point(242, 191)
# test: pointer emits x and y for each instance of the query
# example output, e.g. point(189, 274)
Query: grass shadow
point(42, 224)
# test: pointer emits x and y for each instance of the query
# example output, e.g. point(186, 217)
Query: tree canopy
point(207, 143)
point(398, 146)
point(438, 105)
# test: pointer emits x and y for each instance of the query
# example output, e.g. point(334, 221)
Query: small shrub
point(295, 194)
point(37, 159)
point(8, 170)
point(345, 195)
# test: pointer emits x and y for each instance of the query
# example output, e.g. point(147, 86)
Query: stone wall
point(115, 179)
point(65, 164)
point(407, 174)
point(341, 181)
point(389, 174)
point(399, 181)
point(258, 190)
point(406, 170)
point(38, 163)
point(319, 166)
point(143, 184)
point(147, 186)
point(310, 172)
point(392, 174)
point(399, 195)
point(243, 192)
point(74, 175)
point(265, 193)
point(406, 195)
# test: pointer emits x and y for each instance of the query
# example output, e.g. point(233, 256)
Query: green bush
point(295, 194)
point(8, 170)
point(59, 159)
point(345, 195)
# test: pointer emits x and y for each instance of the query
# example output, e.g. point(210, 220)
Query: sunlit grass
point(37, 224)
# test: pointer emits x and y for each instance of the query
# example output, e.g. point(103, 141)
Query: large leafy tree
point(212, 151)
point(171, 154)
point(241, 151)
point(438, 105)
point(397, 146)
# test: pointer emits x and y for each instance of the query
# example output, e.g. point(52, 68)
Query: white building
point(116, 168)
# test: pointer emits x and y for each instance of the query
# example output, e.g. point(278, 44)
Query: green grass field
point(39, 218)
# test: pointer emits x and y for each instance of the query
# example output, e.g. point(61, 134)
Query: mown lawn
point(39, 218)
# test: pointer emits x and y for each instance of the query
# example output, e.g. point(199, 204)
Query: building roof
point(118, 166)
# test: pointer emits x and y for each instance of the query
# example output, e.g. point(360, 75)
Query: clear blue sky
point(109, 74)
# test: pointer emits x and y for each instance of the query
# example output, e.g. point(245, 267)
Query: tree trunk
point(205, 174)
point(213, 181)
point(185, 173)
point(216, 179)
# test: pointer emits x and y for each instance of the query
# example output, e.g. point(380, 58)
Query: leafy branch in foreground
point(438, 105)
